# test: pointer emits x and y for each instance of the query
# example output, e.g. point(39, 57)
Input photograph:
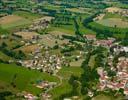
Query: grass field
point(65, 87)
point(12, 21)
point(27, 15)
point(111, 22)
point(24, 77)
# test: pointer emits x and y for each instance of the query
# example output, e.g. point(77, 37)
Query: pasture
point(23, 77)
point(12, 21)
point(113, 22)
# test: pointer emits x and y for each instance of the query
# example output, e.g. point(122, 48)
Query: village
point(63, 50)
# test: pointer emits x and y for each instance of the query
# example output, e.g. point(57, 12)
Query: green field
point(27, 15)
point(24, 77)
point(111, 15)
point(65, 87)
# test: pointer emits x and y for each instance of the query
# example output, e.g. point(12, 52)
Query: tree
point(4, 45)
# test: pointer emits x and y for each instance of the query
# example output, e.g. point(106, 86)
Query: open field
point(112, 22)
point(24, 77)
point(12, 21)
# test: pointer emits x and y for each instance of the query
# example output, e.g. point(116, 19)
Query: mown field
point(23, 78)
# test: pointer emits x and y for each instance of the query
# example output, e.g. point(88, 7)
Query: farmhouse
point(26, 35)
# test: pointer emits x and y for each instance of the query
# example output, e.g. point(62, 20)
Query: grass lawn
point(65, 87)
point(24, 77)
point(27, 15)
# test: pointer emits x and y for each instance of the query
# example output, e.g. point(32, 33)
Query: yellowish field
point(11, 21)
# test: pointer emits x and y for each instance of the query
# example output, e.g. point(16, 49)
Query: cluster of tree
point(104, 31)
point(125, 40)
point(62, 19)
point(5, 94)
point(11, 53)
point(67, 49)
point(90, 19)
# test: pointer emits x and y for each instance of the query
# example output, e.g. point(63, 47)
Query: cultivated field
point(12, 21)
point(112, 22)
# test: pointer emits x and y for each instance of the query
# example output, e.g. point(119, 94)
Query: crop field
point(23, 77)
point(12, 21)
point(112, 22)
